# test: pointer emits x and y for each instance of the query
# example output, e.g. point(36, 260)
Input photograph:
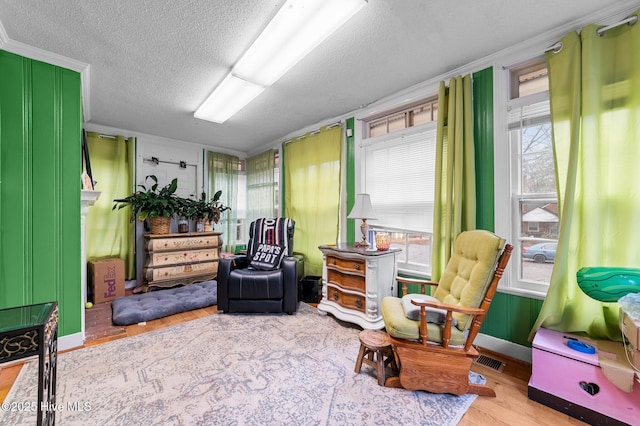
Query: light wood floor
point(510, 407)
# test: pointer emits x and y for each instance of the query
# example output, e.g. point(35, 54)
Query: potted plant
point(187, 210)
point(156, 205)
point(209, 212)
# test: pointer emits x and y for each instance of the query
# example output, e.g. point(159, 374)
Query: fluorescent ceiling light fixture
point(296, 29)
point(227, 99)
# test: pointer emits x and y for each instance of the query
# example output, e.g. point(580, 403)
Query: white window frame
point(241, 228)
point(507, 214)
point(405, 265)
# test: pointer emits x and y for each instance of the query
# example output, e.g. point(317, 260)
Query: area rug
point(232, 369)
point(162, 303)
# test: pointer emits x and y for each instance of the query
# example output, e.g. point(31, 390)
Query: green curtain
point(261, 186)
point(455, 186)
point(594, 85)
point(312, 192)
point(223, 175)
point(110, 232)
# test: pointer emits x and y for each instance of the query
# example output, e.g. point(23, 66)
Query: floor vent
point(490, 362)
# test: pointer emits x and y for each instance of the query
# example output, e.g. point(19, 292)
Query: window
point(260, 181)
point(242, 231)
point(399, 176)
point(529, 79)
point(530, 190)
point(409, 116)
point(241, 205)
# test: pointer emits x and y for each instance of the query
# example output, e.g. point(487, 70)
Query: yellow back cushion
point(469, 272)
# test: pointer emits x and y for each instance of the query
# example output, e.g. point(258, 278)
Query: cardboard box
point(633, 357)
point(630, 328)
point(106, 279)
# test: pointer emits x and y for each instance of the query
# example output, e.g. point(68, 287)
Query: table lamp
point(362, 209)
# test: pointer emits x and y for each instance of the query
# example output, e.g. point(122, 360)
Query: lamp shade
point(362, 208)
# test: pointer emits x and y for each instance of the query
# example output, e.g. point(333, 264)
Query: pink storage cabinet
point(572, 382)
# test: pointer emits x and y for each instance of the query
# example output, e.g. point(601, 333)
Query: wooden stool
point(375, 351)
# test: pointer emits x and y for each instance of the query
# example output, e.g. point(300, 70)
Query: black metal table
point(33, 330)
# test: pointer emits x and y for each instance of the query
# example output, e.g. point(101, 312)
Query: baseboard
point(70, 341)
point(505, 347)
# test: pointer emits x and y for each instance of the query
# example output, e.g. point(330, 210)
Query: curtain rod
point(556, 48)
point(100, 135)
point(630, 20)
point(315, 132)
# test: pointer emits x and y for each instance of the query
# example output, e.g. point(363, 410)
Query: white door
point(166, 171)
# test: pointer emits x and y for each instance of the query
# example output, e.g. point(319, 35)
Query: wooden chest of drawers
point(181, 259)
point(354, 283)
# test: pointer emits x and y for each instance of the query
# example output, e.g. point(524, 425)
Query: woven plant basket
point(160, 224)
point(208, 225)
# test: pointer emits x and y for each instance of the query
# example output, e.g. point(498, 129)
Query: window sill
point(530, 294)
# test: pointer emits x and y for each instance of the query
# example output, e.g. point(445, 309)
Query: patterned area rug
point(232, 369)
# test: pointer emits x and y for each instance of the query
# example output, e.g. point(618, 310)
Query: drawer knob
point(359, 303)
point(334, 261)
point(335, 295)
point(356, 266)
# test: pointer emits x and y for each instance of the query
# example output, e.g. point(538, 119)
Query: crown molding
point(38, 54)
point(3, 36)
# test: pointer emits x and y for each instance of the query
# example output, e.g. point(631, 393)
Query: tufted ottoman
point(161, 303)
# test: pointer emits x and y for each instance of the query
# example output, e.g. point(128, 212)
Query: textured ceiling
point(153, 62)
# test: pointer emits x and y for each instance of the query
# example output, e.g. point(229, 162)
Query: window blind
point(400, 175)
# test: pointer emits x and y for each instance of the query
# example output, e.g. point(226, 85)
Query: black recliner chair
point(254, 282)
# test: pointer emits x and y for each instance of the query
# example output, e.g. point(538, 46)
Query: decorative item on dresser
point(181, 259)
point(354, 282)
point(362, 209)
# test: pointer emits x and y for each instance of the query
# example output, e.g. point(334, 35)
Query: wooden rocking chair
point(432, 336)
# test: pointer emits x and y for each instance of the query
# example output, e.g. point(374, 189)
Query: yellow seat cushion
point(401, 327)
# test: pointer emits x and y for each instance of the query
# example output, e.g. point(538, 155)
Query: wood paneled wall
point(40, 166)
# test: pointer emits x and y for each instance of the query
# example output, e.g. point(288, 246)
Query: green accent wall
point(510, 317)
point(483, 138)
point(350, 178)
point(40, 166)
